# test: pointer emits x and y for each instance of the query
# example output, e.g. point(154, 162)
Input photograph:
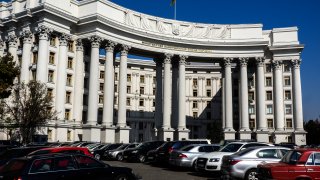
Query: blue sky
point(272, 14)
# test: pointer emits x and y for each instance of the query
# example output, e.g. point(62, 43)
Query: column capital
point(124, 49)
point(27, 36)
point(110, 45)
point(79, 45)
point(243, 61)
point(64, 39)
point(295, 63)
point(260, 61)
point(12, 39)
point(167, 58)
point(227, 61)
point(95, 41)
point(276, 64)
point(44, 32)
point(182, 59)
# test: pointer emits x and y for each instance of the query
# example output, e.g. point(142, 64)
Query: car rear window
point(231, 148)
point(187, 148)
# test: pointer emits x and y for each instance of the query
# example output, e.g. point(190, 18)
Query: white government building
point(192, 75)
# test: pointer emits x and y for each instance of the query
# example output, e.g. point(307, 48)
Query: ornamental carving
point(227, 62)
point(260, 61)
point(276, 64)
point(124, 49)
point(79, 45)
point(167, 58)
point(95, 41)
point(296, 63)
point(44, 32)
point(12, 39)
point(182, 59)
point(64, 39)
point(27, 36)
point(110, 46)
point(243, 61)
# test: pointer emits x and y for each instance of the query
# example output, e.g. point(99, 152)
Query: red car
point(72, 150)
point(297, 164)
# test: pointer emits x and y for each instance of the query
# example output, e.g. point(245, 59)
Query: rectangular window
point(51, 58)
point(208, 82)
point(269, 109)
point(70, 62)
point(268, 81)
point(141, 90)
point(287, 95)
point(68, 97)
point(101, 74)
point(195, 104)
point(194, 114)
point(195, 82)
point(270, 123)
point(153, 103)
point(49, 133)
point(141, 102)
point(101, 86)
point(69, 80)
point(128, 102)
point(154, 80)
point(68, 136)
point(252, 124)
point(50, 76)
point(286, 68)
point(34, 58)
point(288, 109)
point(115, 88)
point(269, 95)
point(195, 93)
point(208, 93)
point(34, 75)
point(70, 46)
point(289, 123)
point(142, 79)
point(251, 109)
point(129, 89)
point(116, 76)
point(128, 77)
point(67, 114)
point(52, 41)
point(251, 96)
point(100, 99)
point(154, 91)
point(268, 68)
point(287, 81)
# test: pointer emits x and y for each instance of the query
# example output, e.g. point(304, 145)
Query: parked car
point(140, 152)
point(72, 150)
point(288, 145)
point(212, 161)
point(296, 164)
point(187, 155)
point(99, 153)
point(243, 164)
point(118, 153)
point(62, 166)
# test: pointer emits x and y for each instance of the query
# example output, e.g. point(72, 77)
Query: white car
point(212, 161)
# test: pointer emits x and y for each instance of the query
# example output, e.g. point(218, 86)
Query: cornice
point(286, 47)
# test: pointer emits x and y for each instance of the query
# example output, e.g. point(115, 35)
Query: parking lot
point(157, 172)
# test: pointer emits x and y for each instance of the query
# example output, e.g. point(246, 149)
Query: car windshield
point(291, 157)
point(187, 148)
point(231, 148)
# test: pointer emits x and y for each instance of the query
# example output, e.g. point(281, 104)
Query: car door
point(90, 168)
point(65, 168)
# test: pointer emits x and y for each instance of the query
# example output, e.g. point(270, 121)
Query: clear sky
point(305, 14)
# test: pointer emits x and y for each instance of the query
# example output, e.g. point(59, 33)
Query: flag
point(173, 2)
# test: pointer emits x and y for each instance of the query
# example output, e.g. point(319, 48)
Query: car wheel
point(119, 157)
point(121, 177)
point(142, 158)
point(97, 156)
point(251, 174)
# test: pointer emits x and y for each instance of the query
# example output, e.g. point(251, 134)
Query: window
point(50, 93)
point(194, 104)
point(195, 82)
point(101, 99)
point(128, 89)
point(154, 91)
point(116, 76)
point(287, 95)
point(85, 162)
point(101, 74)
point(52, 41)
point(101, 86)
point(69, 80)
point(67, 114)
point(195, 93)
point(269, 109)
point(252, 124)
point(68, 139)
point(142, 79)
point(286, 68)
point(208, 93)
point(68, 97)
point(49, 133)
point(153, 103)
point(51, 58)
point(287, 81)
point(141, 90)
point(41, 165)
point(208, 104)
point(50, 76)
point(288, 109)
point(70, 46)
point(251, 109)
point(141, 102)
point(208, 82)
point(268, 81)
point(70, 63)
point(289, 123)
point(115, 88)
point(268, 153)
point(268, 68)
point(269, 95)
point(314, 159)
point(34, 58)
point(128, 77)
point(195, 115)
point(64, 163)
point(251, 96)
point(154, 80)
point(270, 123)
point(128, 102)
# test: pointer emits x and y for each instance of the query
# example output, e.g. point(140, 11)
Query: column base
point(91, 133)
point(122, 134)
point(108, 134)
point(281, 136)
point(300, 137)
point(262, 136)
point(229, 134)
point(181, 134)
point(166, 134)
point(245, 134)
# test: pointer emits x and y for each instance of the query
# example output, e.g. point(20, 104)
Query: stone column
point(166, 130)
point(299, 133)
point(158, 108)
point(43, 48)
point(182, 131)
point(78, 83)
point(245, 132)
point(122, 134)
point(91, 132)
point(108, 133)
point(26, 56)
point(280, 134)
point(228, 130)
point(262, 131)
point(13, 43)
point(62, 76)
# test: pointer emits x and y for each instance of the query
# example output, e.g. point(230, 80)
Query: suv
point(212, 161)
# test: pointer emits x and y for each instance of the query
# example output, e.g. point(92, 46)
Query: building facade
point(190, 76)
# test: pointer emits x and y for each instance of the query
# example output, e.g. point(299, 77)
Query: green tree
point(8, 72)
point(29, 109)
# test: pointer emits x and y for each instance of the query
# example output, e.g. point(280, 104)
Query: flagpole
point(175, 10)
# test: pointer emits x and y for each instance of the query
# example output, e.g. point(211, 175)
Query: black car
point(62, 166)
point(99, 153)
point(140, 152)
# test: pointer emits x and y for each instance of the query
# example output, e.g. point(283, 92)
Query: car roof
point(64, 148)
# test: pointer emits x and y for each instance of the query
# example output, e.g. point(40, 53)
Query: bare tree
point(29, 109)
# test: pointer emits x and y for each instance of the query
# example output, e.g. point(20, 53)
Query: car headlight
point(214, 160)
point(135, 151)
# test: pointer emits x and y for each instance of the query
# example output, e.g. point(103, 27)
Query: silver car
point(117, 153)
point(186, 156)
point(243, 164)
